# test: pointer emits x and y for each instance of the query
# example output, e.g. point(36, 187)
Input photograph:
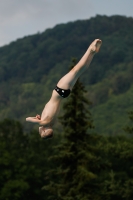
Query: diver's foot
point(95, 46)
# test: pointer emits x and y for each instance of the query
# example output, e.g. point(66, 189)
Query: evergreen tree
point(129, 129)
point(75, 158)
point(117, 181)
point(23, 162)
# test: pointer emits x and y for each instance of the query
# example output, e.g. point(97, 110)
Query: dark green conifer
point(74, 174)
point(129, 129)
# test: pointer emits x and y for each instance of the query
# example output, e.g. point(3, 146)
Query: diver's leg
point(68, 81)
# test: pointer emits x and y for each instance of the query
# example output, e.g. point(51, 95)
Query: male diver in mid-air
point(62, 90)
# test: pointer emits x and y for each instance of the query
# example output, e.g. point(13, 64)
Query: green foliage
point(42, 59)
point(111, 117)
point(23, 162)
point(87, 167)
point(129, 128)
point(117, 183)
point(74, 177)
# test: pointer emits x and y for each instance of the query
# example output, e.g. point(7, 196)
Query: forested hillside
point(31, 66)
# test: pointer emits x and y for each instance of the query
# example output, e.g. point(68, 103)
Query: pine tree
point(129, 129)
point(23, 162)
point(74, 178)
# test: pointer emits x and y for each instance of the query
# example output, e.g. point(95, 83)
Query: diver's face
point(45, 132)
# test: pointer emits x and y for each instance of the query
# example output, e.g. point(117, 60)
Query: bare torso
point(51, 109)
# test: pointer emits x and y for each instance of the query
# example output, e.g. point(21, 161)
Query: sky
point(19, 18)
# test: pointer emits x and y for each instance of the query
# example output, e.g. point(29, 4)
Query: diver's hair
point(46, 132)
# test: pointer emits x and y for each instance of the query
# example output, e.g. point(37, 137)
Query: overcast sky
point(19, 18)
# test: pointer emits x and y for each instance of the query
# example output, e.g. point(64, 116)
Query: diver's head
point(45, 132)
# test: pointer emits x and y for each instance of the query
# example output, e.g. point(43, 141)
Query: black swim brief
point(63, 93)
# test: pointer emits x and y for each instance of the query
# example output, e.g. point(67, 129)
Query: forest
point(90, 155)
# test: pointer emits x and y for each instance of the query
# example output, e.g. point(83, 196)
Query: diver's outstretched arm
point(37, 120)
point(33, 120)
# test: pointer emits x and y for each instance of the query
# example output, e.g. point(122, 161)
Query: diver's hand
point(38, 116)
point(36, 119)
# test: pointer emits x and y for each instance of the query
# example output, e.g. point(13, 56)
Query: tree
point(76, 163)
point(129, 129)
point(23, 162)
point(117, 182)
point(12, 163)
